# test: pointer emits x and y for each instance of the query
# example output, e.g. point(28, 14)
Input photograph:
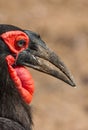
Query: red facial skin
point(11, 38)
point(19, 74)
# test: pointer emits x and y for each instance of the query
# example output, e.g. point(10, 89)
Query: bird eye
point(21, 43)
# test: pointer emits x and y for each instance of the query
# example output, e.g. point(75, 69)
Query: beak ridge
point(38, 56)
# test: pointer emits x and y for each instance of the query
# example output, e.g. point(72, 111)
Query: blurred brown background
point(63, 25)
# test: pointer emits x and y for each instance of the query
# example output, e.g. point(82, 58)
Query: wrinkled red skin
point(11, 37)
point(19, 74)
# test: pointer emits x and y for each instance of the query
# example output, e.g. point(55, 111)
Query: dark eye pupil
point(21, 43)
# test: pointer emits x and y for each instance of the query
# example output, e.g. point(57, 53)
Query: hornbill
point(20, 49)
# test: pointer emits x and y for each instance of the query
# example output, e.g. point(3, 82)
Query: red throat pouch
point(22, 78)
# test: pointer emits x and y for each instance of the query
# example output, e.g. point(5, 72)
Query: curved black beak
point(38, 56)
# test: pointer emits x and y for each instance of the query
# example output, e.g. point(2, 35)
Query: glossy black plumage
point(15, 114)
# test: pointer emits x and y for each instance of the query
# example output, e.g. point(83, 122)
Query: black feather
point(10, 124)
point(13, 109)
point(5, 28)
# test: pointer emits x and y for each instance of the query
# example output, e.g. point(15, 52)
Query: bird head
point(26, 48)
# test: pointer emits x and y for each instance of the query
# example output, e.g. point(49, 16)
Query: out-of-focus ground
point(63, 25)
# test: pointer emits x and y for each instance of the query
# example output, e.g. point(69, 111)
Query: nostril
point(38, 36)
point(32, 46)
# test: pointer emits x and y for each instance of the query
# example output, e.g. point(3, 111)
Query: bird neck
point(12, 106)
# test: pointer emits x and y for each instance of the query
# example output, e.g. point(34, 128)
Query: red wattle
point(26, 81)
point(22, 78)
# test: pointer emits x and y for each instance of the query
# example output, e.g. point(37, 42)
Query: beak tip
point(73, 84)
point(72, 81)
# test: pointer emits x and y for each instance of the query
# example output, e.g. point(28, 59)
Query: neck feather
point(12, 105)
